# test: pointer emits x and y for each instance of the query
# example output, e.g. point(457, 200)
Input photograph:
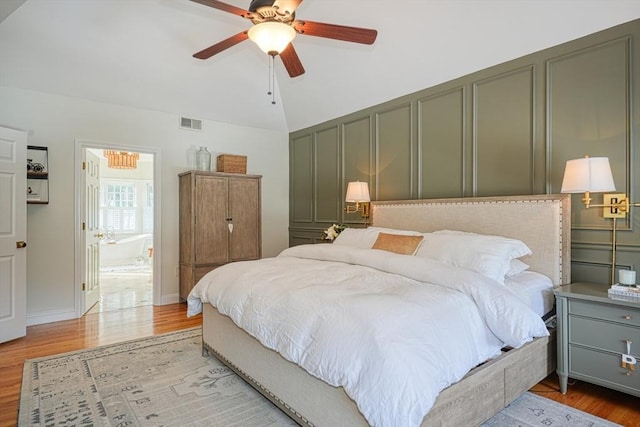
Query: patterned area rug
point(156, 381)
point(164, 381)
point(531, 410)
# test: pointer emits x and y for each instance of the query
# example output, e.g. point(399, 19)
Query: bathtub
point(126, 251)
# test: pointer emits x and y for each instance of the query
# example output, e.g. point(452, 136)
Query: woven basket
point(231, 163)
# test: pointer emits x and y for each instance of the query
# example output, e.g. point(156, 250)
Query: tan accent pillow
point(404, 245)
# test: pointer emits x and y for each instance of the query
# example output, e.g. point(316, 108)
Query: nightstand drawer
point(626, 315)
point(604, 367)
point(604, 335)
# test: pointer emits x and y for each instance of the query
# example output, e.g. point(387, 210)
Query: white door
point(92, 233)
point(13, 234)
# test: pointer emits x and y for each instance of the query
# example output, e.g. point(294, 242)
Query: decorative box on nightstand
point(594, 333)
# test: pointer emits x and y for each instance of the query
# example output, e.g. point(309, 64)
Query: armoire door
point(211, 232)
point(245, 211)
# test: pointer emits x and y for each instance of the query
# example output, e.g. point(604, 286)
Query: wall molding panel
point(441, 141)
point(395, 149)
point(301, 204)
point(504, 133)
point(358, 158)
point(589, 107)
point(327, 172)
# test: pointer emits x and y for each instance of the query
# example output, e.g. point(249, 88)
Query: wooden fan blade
point(224, 6)
point(287, 5)
point(219, 47)
point(337, 32)
point(291, 61)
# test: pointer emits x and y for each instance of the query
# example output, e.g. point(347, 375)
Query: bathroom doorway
point(125, 225)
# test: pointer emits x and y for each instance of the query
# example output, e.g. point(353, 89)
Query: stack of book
point(624, 292)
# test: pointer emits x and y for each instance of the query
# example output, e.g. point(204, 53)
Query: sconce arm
point(352, 208)
point(362, 207)
point(623, 205)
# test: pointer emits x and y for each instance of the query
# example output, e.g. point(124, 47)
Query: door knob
point(21, 244)
point(100, 235)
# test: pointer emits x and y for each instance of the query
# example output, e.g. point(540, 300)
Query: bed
point(541, 222)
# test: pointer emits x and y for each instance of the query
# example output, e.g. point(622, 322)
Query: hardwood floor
point(615, 406)
point(115, 326)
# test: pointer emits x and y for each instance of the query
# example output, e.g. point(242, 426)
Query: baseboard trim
point(59, 315)
point(50, 316)
point(169, 299)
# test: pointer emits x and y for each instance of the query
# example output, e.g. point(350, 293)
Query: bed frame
point(542, 222)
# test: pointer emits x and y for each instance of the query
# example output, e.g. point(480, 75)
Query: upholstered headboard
point(543, 222)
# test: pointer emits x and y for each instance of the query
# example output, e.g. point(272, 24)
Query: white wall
point(56, 122)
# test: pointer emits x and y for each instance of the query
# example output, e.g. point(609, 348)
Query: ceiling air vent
point(193, 124)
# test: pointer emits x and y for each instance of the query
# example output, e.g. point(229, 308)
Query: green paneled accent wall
point(357, 161)
point(394, 154)
point(504, 130)
point(302, 180)
point(589, 104)
point(441, 140)
point(503, 120)
point(327, 167)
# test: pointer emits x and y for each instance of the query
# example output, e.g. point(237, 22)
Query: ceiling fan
point(275, 26)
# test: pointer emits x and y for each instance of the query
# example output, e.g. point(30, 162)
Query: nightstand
point(593, 331)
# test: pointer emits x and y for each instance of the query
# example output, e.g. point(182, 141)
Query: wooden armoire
point(220, 222)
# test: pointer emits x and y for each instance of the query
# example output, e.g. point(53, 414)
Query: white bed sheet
point(392, 330)
point(533, 289)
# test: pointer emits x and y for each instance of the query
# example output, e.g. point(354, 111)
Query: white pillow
point(364, 238)
point(485, 254)
point(516, 267)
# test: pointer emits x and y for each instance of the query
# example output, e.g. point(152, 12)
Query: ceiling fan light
point(272, 37)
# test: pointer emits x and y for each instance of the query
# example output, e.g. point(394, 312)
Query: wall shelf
point(37, 175)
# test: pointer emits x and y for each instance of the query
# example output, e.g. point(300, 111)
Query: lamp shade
point(272, 37)
point(357, 192)
point(588, 174)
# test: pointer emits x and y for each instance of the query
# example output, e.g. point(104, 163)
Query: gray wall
point(504, 130)
point(57, 122)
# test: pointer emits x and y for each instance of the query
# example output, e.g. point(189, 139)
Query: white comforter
point(392, 330)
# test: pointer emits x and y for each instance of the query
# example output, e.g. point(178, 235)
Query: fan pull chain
point(272, 83)
point(270, 72)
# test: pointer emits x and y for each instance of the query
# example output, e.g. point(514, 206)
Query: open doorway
point(125, 220)
point(118, 204)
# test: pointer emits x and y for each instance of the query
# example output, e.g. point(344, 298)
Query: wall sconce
point(358, 193)
point(593, 174)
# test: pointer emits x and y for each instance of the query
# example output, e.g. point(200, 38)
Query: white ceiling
point(138, 52)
